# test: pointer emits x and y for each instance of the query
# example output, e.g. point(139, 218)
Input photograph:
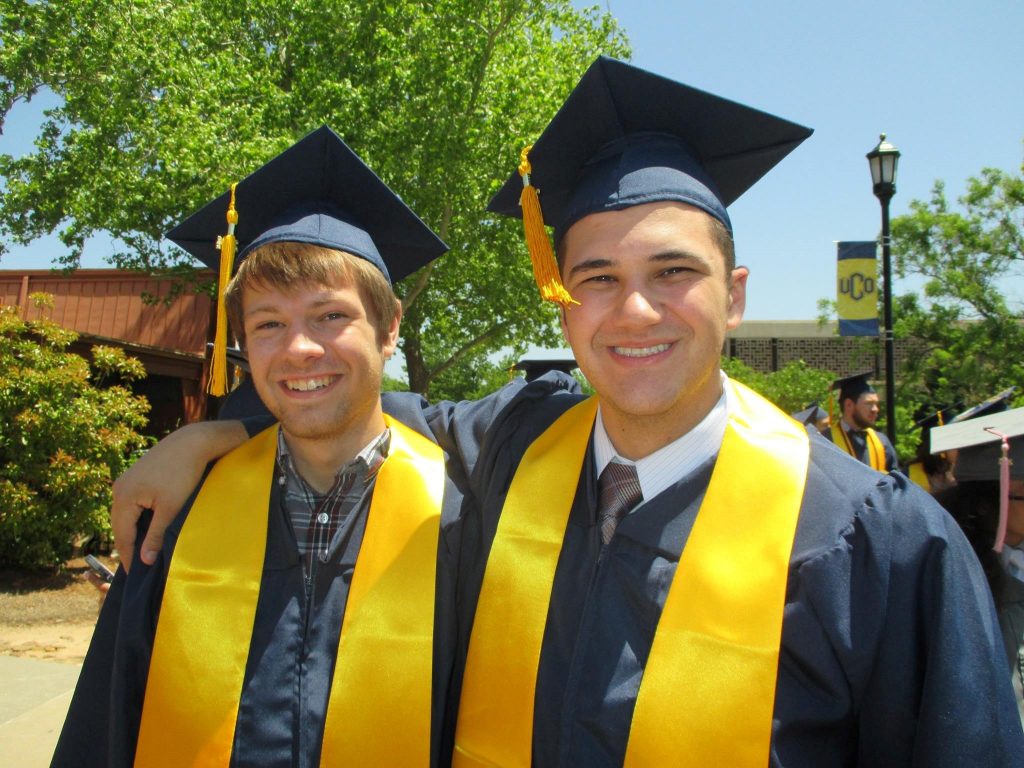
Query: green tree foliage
point(165, 102)
point(67, 430)
point(792, 388)
point(971, 332)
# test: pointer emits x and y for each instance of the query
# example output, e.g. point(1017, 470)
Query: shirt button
point(322, 518)
point(323, 558)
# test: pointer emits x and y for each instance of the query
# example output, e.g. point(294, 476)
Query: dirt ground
point(46, 615)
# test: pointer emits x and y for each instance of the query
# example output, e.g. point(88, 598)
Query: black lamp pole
point(883, 160)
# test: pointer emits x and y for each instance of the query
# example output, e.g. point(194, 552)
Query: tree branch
point(491, 333)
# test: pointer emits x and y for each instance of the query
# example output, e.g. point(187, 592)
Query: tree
point(68, 431)
point(792, 388)
point(970, 332)
point(165, 103)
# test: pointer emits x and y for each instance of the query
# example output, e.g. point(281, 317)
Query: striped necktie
point(620, 491)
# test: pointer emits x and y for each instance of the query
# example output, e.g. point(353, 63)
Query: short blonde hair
point(289, 265)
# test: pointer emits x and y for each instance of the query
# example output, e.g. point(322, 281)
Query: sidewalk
point(34, 698)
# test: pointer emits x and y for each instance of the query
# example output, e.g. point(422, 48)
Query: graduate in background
point(988, 503)
point(814, 417)
point(673, 572)
point(931, 471)
point(854, 431)
point(290, 618)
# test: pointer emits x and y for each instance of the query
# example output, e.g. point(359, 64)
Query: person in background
point(931, 471)
point(988, 503)
point(814, 417)
point(854, 433)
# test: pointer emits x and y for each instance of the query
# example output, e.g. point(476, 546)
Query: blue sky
point(944, 80)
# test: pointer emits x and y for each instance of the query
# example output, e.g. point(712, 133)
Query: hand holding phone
point(99, 569)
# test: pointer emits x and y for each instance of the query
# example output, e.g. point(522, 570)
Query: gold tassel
point(218, 384)
point(545, 267)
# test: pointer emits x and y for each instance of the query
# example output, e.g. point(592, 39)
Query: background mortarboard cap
point(978, 449)
point(626, 136)
point(317, 191)
point(235, 356)
point(853, 386)
point(929, 419)
point(995, 404)
point(535, 367)
point(811, 415)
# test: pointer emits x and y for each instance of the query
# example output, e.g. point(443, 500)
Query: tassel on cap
point(1004, 488)
point(545, 267)
point(218, 384)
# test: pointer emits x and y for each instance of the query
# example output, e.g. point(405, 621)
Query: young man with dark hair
point(855, 432)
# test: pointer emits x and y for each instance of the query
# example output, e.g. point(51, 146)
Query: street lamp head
point(882, 160)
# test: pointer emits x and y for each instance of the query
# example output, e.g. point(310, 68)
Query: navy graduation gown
point(859, 441)
point(291, 655)
point(890, 652)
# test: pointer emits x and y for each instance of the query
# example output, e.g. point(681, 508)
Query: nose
point(638, 307)
point(302, 344)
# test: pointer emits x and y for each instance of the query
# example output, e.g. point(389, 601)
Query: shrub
point(67, 427)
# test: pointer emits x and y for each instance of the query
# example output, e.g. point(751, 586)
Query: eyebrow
point(674, 255)
point(270, 307)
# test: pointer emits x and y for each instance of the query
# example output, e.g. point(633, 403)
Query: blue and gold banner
point(857, 288)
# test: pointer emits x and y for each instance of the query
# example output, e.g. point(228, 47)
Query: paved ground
point(34, 698)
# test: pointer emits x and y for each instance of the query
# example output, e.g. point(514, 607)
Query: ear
point(737, 297)
point(561, 323)
point(390, 341)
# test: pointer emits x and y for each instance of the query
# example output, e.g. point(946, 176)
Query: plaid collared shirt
point(316, 518)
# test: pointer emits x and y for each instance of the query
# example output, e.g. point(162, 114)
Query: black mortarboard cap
point(535, 367)
point(317, 191)
point(811, 415)
point(626, 136)
point(995, 404)
point(853, 386)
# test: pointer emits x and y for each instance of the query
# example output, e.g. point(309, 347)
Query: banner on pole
point(857, 288)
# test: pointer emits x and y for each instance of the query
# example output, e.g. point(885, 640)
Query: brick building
point(768, 345)
point(106, 306)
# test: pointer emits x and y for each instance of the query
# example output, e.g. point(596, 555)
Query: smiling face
point(655, 303)
point(317, 361)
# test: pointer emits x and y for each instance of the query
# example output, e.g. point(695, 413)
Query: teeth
point(308, 385)
point(640, 351)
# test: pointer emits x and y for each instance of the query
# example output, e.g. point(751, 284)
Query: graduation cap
point(625, 137)
point(989, 447)
point(852, 387)
point(929, 420)
point(534, 367)
point(995, 404)
point(811, 415)
point(318, 191)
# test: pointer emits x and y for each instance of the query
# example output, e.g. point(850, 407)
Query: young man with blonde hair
point(303, 603)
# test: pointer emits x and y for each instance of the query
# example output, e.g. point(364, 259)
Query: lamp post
point(882, 160)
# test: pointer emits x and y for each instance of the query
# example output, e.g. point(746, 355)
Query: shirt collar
point(368, 459)
point(676, 460)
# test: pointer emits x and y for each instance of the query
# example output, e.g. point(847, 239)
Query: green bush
point(793, 387)
point(66, 429)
